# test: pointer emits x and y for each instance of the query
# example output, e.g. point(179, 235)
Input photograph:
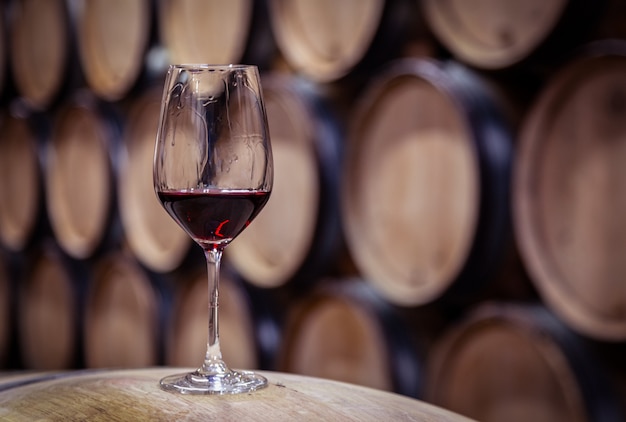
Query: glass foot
point(230, 382)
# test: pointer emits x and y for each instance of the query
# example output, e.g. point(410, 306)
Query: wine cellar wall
point(446, 216)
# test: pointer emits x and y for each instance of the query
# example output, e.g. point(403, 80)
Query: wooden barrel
point(135, 395)
point(297, 235)
point(153, 237)
point(568, 193)
point(41, 49)
point(80, 186)
point(425, 192)
point(326, 40)
point(344, 331)
point(114, 38)
point(495, 34)
point(124, 315)
point(249, 333)
point(216, 32)
point(49, 310)
point(518, 363)
point(22, 139)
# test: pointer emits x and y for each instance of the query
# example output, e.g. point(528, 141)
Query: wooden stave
point(485, 125)
point(594, 388)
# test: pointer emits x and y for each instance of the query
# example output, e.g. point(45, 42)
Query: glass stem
point(213, 364)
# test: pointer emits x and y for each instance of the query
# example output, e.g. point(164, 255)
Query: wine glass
point(213, 173)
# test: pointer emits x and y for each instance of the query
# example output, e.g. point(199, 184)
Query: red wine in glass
point(213, 217)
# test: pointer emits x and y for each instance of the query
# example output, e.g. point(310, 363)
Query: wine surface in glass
point(213, 217)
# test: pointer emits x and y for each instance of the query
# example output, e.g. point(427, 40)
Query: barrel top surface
point(205, 32)
point(39, 36)
point(20, 181)
point(46, 312)
point(568, 195)
point(78, 206)
point(325, 39)
point(493, 34)
point(113, 37)
point(135, 395)
point(412, 175)
point(334, 337)
point(507, 363)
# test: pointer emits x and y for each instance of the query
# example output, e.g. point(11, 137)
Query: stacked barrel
point(446, 218)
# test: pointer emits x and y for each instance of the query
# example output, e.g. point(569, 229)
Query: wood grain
point(135, 395)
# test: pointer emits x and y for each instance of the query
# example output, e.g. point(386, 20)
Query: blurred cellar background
point(447, 220)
